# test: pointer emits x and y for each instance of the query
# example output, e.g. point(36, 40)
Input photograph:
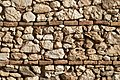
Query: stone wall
point(59, 39)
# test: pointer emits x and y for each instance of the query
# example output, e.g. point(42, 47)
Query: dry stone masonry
point(59, 39)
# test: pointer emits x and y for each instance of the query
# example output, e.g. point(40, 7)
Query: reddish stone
point(42, 62)
point(86, 23)
point(60, 62)
point(10, 24)
point(75, 62)
point(70, 23)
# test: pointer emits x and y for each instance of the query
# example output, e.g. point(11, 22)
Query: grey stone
point(29, 16)
point(28, 37)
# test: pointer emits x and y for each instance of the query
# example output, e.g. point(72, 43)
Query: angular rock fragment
point(69, 3)
point(26, 71)
point(21, 3)
point(47, 44)
point(11, 14)
point(4, 56)
point(55, 54)
point(7, 37)
point(30, 47)
point(41, 8)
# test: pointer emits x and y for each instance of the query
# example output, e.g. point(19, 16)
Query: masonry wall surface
point(59, 39)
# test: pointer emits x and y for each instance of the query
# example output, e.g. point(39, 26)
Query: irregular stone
point(61, 15)
point(15, 74)
point(2, 73)
point(59, 69)
point(87, 75)
point(5, 50)
point(96, 2)
point(32, 78)
point(107, 73)
point(41, 17)
point(11, 14)
point(30, 47)
point(33, 57)
point(106, 4)
point(116, 77)
point(84, 3)
point(67, 46)
point(47, 30)
point(107, 17)
point(21, 3)
point(77, 54)
point(39, 37)
point(18, 33)
point(7, 37)
point(11, 78)
point(1, 9)
point(26, 71)
point(36, 69)
point(44, 0)
point(28, 29)
point(93, 12)
point(58, 35)
point(78, 36)
point(48, 37)
point(18, 56)
point(6, 3)
point(69, 3)
point(68, 30)
point(55, 54)
point(47, 44)
point(55, 4)
point(107, 58)
point(95, 57)
point(95, 36)
point(91, 51)
point(73, 14)
point(69, 39)
point(28, 37)
point(1, 35)
point(41, 8)
point(66, 76)
point(29, 16)
point(49, 67)
point(88, 43)
point(19, 41)
point(57, 45)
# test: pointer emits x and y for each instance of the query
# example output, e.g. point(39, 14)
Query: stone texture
point(30, 47)
point(55, 54)
point(21, 3)
point(47, 44)
point(11, 14)
point(4, 56)
point(26, 71)
point(84, 2)
point(29, 16)
point(28, 37)
point(88, 75)
point(7, 37)
point(69, 3)
point(41, 8)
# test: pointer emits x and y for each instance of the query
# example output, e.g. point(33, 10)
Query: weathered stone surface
point(11, 78)
point(96, 2)
point(55, 54)
point(15, 74)
point(5, 50)
point(93, 12)
point(69, 39)
point(28, 30)
point(41, 8)
point(18, 56)
point(84, 2)
point(26, 71)
point(41, 17)
point(30, 47)
point(6, 3)
point(29, 16)
point(21, 3)
point(87, 75)
point(36, 69)
point(48, 37)
point(69, 3)
point(47, 44)
point(95, 36)
point(28, 37)
point(58, 35)
point(2, 73)
point(77, 54)
point(32, 78)
point(7, 37)
point(11, 14)
point(43, 0)
point(55, 4)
